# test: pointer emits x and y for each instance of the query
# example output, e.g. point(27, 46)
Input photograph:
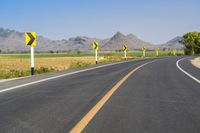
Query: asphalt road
point(157, 98)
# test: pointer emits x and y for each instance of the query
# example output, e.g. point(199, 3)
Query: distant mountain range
point(13, 41)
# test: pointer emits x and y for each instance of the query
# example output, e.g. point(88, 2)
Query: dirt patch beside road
point(196, 62)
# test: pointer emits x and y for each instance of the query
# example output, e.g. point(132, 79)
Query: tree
point(78, 52)
point(51, 51)
point(191, 41)
point(164, 49)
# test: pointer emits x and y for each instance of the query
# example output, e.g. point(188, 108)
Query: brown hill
point(116, 42)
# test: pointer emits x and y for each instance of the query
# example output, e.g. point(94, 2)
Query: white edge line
point(177, 64)
point(6, 80)
point(63, 75)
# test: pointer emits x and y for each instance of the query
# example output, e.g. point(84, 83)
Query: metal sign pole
point(174, 52)
point(125, 54)
point(96, 56)
point(143, 53)
point(32, 60)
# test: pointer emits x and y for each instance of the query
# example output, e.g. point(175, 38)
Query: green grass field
point(90, 53)
point(18, 65)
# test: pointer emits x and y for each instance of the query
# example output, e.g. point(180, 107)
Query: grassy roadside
point(18, 65)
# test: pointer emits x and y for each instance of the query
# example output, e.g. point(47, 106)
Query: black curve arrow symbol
point(95, 45)
point(31, 37)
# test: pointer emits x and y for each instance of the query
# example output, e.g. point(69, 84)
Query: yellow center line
point(88, 117)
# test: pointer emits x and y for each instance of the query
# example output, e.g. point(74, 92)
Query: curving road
point(155, 98)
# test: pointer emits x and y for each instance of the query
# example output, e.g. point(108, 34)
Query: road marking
point(189, 75)
point(63, 75)
point(5, 80)
point(88, 117)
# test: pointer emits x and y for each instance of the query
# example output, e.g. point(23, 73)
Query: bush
point(43, 70)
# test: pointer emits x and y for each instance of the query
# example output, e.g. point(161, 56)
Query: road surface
point(155, 98)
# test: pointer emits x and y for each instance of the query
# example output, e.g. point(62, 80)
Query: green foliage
point(191, 41)
point(43, 70)
point(51, 51)
point(78, 52)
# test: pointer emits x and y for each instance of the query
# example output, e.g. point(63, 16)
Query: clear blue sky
point(155, 21)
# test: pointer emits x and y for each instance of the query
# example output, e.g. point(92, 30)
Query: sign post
point(30, 40)
point(174, 52)
point(95, 46)
point(96, 56)
point(32, 60)
point(125, 48)
point(143, 51)
point(157, 49)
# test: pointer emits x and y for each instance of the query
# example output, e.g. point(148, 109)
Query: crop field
point(11, 67)
point(18, 65)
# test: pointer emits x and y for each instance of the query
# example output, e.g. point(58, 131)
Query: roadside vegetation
point(191, 41)
point(18, 65)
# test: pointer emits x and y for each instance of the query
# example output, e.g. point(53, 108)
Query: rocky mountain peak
point(118, 35)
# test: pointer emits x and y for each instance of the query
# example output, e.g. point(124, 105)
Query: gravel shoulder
point(196, 62)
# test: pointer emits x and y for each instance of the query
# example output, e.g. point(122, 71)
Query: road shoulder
point(196, 62)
